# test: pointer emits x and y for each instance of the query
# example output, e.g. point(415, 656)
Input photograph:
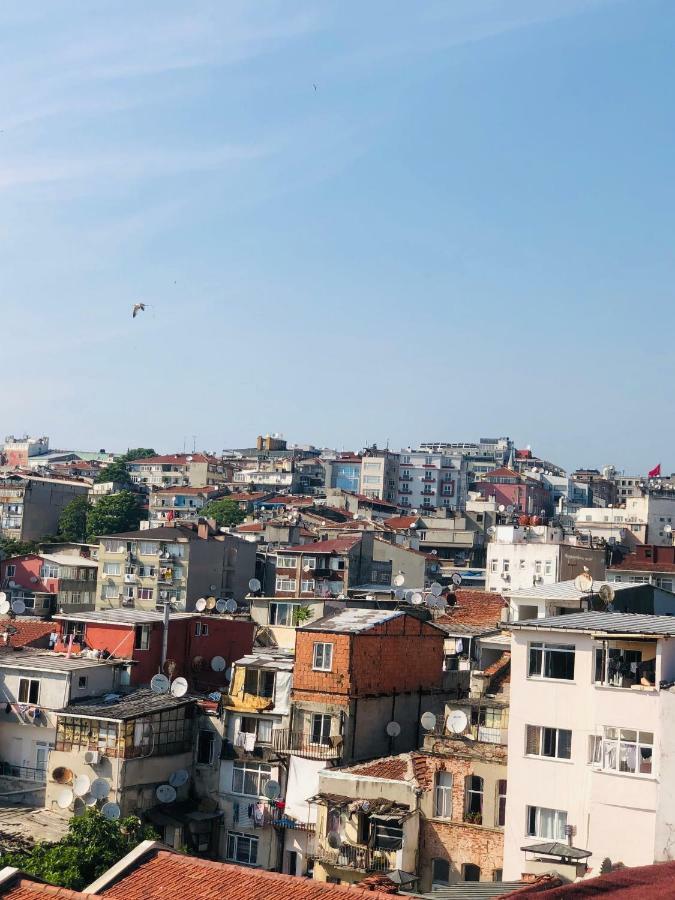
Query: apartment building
point(343, 472)
point(182, 504)
point(47, 582)
point(452, 536)
point(481, 456)
point(520, 556)
point(430, 480)
point(648, 563)
point(175, 563)
point(30, 507)
point(179, 470)
point(379, 474)
point(513, 490)
point(19, 452)
point(591, 721)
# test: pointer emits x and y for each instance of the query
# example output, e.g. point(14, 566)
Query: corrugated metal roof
point(122, 616)
point(50, 662)
point(353, 619)
point(129, 706)
point(474, 890)
point(611, 623)
point(564, 590)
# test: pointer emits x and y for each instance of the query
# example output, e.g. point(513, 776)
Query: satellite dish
point(334, 840)
point(4, 607)
point(179, 778)
point(436, 589)
point(62, 775)
point(231, 606)
point(197, 663)
point(100, 788)
point(428, 721)
point(218, 664)
point(417, 598)
point(667, 529)
point(213, 587)
point(221, 606)
point(399, 579)
point(165, 793)
point(89, 800)
point(491, 530)
point(606, 594)
point(81, 785)
point(584, 582)
point(111, 811)
point(409, 595)
point(254, 585)
point(457, 721)
point(510, 509)
point(159, 684)
point(365, 806)
point(179, 687)
point(501, 508)
point(3, 596)
point(399, 594)
point(211, 603)
point(272, 789)
point(456, 579)
point(18, 607)
point(200, 605)
point(393, 729)
point(65, 798)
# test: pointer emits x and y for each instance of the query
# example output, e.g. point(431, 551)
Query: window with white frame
point(285, 584)
point(493, 565)
point(29, 690)
point(506, 565)
point(308, 586)
point(554, 743)
point(551, 661)
point(250, 778)
point(309, 562)
point(537, 567)
point(546, 823)
point(149, 548)
point(321, 725)
point(548, 567)
point(109, 591)
point(145, 593)
point(112, 568)
point(113, 545)
point(283, 613)
point(623, 750)
point(286, 562)
point(242, 848)
point(48, 570)
point(323, 657)
point(443, 796)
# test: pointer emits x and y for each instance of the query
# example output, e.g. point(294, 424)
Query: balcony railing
point(301, 744)
point(27, 773)
point(360, 858)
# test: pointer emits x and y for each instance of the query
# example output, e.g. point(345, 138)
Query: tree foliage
point(92, 845)
point(225, 511)
point(117, 470)
point(73, 519)
point(11, 547)
point(113, 514)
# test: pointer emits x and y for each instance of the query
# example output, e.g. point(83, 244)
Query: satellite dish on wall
point(334, 840)
point(510, 509)
point(62, 775)
point(501, 508)
point(457, 721)
point(393, 729)
point(218, 664)
point(456, 579)
point(89, 800)
point(100, 788)
point(221, 606)
point(254, 585)
point(179, 778)
point(165, 793)
point(231, 606)
point(211, 603)
point(3, 596)
point(159, 684)
point(179, 687)
point(18, 607)
point(111, 811)
point(417, 599)
point(65, 798)
point(81, 785)
point(4, 607)
point(200, 604)
point(436, 589)
point(399, 594)
point(399, 580)
point(491, 530)
point(606, 594)
point(272, 789)
point(428, 721)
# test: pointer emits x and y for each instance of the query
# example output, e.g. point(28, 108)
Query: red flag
point(655, 472)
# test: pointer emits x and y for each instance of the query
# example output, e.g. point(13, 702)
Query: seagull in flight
point(138, 307)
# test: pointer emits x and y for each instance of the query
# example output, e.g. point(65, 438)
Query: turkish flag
point(655, 472)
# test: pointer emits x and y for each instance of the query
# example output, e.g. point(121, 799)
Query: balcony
point(405, 490)
point(301, 744)
point(357, 857)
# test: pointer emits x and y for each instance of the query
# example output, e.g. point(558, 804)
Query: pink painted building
point(46, 582)
point(510, 488)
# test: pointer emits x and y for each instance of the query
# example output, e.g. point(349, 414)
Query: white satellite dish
point(272, 789)
point(501, 508)
point(436, 589)
point(3, 596)
point(89, 800)
point(417, 598)
point(456, 579)
point(254, 585)
point(399, 580)
point(457, 721)
point(18, 607)
point(393, 729)
point(211, 603)
point(159, 684)
point(221, 605)
point(111, 811)
point(218, 664)
point(428, 721)
point(491, 530)
point(81, 785)
point(65, 798)
point(179, 687)
point(200, 605)
point(510, 509)
point(165, 793)
point(100, 788)
point(4, 607)
point(667, 529)
point(399, 594)
point(334, 840)
point(231, 606)
point(606, 594)
point(584, 582)
point(179, 778)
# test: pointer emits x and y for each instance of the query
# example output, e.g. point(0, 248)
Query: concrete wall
point(43, 503)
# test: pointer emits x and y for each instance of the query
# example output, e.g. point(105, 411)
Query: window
point(619, 667)
point(323, 657)
point(11, 571)
point(521, 564)
point(537, 567)
point(308, 586)
point(493, 565)
point(309, 562)
point(551, 661)
point(470, 872)
point(440, 871)
point(205, 747)
point(506, 565)
point(443, 796)
point(622, 750)
point(285, 584)
point(500, 817)
point(109, 592)
point(250, 778)
point(497, 874)
point(49, 571)
point(283, 613)
point(321, 728)
point(146, 593)
point(201, 629)
point(259, 682)
point(264, 731)
point(111, 568)
point(242, 848)
point(473, 811)
point(29, 690)
point(556, 743)
point(286, 562)
point(149, 548)
point(548, 567)
point(142, 637)
point(82, 682)
point(546, 823)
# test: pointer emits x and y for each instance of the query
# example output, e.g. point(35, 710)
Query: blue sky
point(466, 230)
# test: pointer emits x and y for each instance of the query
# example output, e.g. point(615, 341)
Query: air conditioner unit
point(92, 757)
point(129, 578)
point(127, 601)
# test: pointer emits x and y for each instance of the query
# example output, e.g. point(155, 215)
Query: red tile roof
point(178, 459)
point(339, 545)
point(207, 489)
point(29, 632)
point(173, 876)
point(623, 884)
point(404, 767)
point(251, 526)
point(24, 889)
point(473, 608)
point(402, 522)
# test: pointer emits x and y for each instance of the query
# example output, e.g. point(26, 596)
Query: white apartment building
point(519, 557)
point(592, 721)
point(641, 520)
point(379, 475)
point(428, 480)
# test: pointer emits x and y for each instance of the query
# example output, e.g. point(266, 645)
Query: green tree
point(225, 511)
point(113, 514)
point(92, 845)
point(117, 470)
point(73, 519)
point(12, 547)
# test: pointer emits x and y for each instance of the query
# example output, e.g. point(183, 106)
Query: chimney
point(203, 529)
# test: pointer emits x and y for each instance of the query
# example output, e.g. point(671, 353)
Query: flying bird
point(138, 307)
point(315, 88)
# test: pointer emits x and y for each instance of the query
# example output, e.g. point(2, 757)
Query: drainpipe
point(165, 633)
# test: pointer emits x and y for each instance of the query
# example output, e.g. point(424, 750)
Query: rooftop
point(412, 767)
point(657, 880)
point(280, 660)
point(69, 559)
point(353, 620)
point(130, 706)
point(27, 631)
point(473, 612)
point(179, 459)
point(163, 533)
point(401, 522)
point(48, 661)
point(121, 616)
point(566, 590)
point(604, 623)
point(339, 545)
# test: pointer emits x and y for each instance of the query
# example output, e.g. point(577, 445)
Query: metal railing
point(301, 744)
point(361, 858)
point(27, 773)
